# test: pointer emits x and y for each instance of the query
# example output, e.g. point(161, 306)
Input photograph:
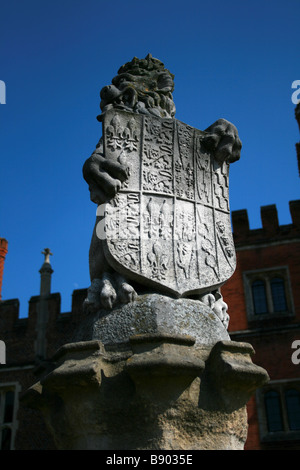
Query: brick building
point(30, 344)
point(264, 294)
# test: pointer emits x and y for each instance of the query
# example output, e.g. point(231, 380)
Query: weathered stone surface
point(160, 393)
point(154, 313)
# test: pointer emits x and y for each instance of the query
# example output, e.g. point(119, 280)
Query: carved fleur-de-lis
point(114, 133)
point(130, 136)
point(158, 260)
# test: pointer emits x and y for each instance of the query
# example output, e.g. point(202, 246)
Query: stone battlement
point(20, 334)
point(271, 231)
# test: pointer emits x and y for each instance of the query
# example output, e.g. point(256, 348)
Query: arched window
point(292, 399)
point(273, 411)
point(278, 294)
point(259, 297)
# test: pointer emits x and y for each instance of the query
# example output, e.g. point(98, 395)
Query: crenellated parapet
point(270, 231)
point(22, 334)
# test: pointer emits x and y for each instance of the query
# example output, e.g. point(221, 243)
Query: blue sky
point(235, 60)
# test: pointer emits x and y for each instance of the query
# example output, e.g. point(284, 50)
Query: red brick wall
point(261, 258)
point(269, 247)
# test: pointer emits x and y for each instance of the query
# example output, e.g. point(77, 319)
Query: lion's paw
point(126, 293)
point(107, 292)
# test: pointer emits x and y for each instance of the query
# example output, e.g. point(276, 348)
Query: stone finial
point(47, 253)
point(46, 272)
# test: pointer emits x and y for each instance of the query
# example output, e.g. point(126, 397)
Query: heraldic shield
point(169, 226)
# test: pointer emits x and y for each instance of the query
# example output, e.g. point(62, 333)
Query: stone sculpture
point(151, 365)
point(161, 186)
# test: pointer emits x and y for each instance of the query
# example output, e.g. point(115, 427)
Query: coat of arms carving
point(169, 225)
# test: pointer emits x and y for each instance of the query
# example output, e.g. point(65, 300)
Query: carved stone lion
point(141, 86)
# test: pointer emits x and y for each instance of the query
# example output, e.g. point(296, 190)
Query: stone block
point(154, 313)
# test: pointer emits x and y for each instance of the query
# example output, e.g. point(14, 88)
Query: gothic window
point(273, 411)
point(8, 400)
point(292, 398)
point(279, 410)
point(278, 294)
point(259, 297)
point(267, 293)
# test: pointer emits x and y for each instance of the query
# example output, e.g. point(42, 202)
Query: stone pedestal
point(156, 374)
point(153, 313)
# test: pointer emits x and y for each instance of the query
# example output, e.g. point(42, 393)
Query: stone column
point(42, 308)
point(46, 273)
point(158, 373)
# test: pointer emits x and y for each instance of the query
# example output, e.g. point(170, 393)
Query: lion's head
point(142, 86)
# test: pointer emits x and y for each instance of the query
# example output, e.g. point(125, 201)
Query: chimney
point(3, 252)
point(46, 272)
point(42, 307)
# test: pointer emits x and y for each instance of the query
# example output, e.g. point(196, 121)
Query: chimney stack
point(42, 307)
point(3, 252)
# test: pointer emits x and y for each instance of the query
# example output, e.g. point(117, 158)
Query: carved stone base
point(156, 390)
point(154, 313)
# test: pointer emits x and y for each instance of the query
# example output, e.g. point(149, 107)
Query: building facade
point(264, 295)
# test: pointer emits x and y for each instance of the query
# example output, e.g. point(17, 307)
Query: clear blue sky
point(231, 59)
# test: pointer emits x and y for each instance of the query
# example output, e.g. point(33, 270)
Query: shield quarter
point(169, 226)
